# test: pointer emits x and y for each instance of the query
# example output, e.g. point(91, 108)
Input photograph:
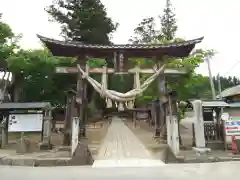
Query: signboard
point(231, 124)
point(208, 114)
point(232, 127)
point(25, 122)
point(142, 115)
point(75, 131)
point(236, 97)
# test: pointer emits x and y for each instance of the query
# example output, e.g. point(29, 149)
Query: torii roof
point(75, 48)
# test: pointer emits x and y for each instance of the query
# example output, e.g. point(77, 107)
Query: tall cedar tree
point(83, 20)
point(168, 22)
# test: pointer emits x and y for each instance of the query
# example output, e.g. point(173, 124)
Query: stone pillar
point(47, 126)
point(199, 124)
point(172, 124)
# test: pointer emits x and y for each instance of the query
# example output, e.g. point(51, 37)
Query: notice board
point(25, 123)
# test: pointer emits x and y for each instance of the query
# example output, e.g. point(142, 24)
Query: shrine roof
point(28, 105)
point(232, 91)
point(70, 48)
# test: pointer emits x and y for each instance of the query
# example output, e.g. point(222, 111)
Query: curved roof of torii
point(75, 48)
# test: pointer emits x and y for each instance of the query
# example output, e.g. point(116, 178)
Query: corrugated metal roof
point(235, 104)
point(32, 105)
point(230, 91)
point(119, 46)
point(215, 104)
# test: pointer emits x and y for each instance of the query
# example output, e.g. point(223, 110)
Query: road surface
point(122, 148)
point(215, 171)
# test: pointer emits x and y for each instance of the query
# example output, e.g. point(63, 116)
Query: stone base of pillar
point(66, 139)
point(45, 145)
point(82, 133)
point(23, 146)
point(164, 136)
point(157, 132)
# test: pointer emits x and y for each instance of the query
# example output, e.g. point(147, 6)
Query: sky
point(216, 20)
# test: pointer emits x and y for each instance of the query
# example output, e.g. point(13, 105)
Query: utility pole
point(219, 86)
point(211, 79)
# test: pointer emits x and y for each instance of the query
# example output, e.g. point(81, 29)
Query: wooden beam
point(73, 70)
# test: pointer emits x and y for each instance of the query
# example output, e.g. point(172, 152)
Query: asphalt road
point(213, 171)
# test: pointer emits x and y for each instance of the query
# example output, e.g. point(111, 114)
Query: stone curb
point(182, 159)
point(82, 156)
point(33, 162)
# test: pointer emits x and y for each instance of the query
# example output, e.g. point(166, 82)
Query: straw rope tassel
point(105, 87)
point(120, 106)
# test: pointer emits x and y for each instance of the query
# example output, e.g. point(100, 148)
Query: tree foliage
point(83, 20)
point(226, 82)
point(36, 71)
point(146, 32)
point(8, 42)
point(168, 22)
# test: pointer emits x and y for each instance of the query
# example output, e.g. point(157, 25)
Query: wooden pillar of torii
point(76, 105)
point(81, 96)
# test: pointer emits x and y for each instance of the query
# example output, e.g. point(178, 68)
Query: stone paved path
point(121, 148)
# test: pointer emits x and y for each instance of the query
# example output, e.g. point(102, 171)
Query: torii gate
point(120, 55)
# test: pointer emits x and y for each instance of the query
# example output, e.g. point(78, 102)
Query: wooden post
point(81, 97)
point(134, 119)
point(153, 111)
point(68, 119)
point(4, 130)
point(150, 118)
point(157, 119)
point(162, 90)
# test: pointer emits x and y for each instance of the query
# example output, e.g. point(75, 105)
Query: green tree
point(8, 47)
point(226, 82)
point(83, 20)
point(36, 78)
point(146, 32)
point(168, 22)
point(8, 42)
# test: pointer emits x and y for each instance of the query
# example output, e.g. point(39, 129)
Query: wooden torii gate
point(120, 54)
